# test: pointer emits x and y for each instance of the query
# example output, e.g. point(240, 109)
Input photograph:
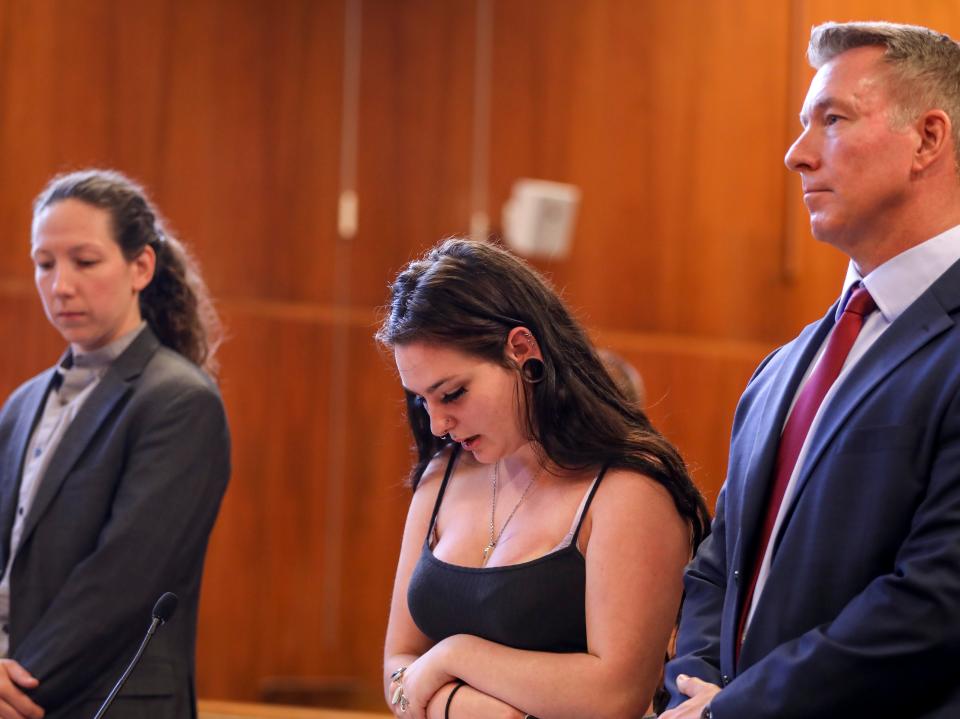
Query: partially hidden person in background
point(112, 463)
point(830, 586)
point(541, 564)
point(625, 376)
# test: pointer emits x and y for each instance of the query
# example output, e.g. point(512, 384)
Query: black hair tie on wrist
point(446, 709)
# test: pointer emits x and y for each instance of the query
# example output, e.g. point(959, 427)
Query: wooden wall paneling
point(29, 344)
point(251, 152)
point(74, 78)
point(414, 136)
point(138, 64)
point(80, 90)
point(942, 16)
point(81, 87)
point(26, 114)
point(379, 458)
point(667, 118)
point(265, 566)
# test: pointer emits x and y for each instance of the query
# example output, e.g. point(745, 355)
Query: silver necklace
point(494, 535)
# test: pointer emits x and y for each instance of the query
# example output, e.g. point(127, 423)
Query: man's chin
point(826, 230)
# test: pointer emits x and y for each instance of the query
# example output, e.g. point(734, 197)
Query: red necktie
point(801, 417)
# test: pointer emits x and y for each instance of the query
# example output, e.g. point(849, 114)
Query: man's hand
point(14, 704)
point(700, 693)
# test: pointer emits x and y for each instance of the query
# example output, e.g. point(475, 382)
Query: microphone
point(162, 611)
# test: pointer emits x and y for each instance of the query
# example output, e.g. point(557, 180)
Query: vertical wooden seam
point(480, 156)
point(340, 335)
point(790, 241)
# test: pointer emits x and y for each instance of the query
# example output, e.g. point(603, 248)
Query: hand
point(421, 680)
point(700, 692)
point(14, 704)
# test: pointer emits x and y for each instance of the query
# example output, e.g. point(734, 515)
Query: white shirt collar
point(899, 281)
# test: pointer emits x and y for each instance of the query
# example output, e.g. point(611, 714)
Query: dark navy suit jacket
point(860, 615)
point(122, 514)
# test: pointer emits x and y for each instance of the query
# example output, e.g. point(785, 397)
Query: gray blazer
point(122, 514)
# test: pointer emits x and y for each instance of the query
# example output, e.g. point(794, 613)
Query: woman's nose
point(440, 423)
point(62, 282)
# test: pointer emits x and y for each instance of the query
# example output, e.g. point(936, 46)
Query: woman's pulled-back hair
point(175, 304)
point(469, 295)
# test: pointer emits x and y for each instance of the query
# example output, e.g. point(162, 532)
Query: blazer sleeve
point(896, 644)
point(164, 506)
point(705, 581)
point(698, 637)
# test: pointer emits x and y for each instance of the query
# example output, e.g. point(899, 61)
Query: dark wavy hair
point(470, 295)
point(176, 303)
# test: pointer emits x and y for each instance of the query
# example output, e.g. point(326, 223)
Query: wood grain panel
point(250, 152)
point(80, 88)
point(29, 344)
point(379, 448)
point(667, 117)
point(271, 526)
point(265, 563)
point(415, 124)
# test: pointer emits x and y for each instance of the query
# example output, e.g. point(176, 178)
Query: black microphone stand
point(162, 611)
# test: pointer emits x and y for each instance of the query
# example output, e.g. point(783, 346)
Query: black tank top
point(537, 605)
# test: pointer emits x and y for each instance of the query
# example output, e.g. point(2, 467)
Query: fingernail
point(682, 677)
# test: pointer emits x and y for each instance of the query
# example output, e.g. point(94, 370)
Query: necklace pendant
point(486, 552)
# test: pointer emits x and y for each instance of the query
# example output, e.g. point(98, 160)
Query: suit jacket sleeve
point(176, 469)
point(902, 630)
point(698, 638)
point(705, 586)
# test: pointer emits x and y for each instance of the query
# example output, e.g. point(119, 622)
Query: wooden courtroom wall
point(692, 255)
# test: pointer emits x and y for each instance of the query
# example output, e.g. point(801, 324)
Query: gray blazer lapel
point(112, 388)
point(13, 462)
point(78, 436)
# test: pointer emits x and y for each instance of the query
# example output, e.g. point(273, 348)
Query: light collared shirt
point(77, 377)
point(894, 286)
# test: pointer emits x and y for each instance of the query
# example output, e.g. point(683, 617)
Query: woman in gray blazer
point(112, 463)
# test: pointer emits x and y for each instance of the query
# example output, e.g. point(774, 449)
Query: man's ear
point(935, 132)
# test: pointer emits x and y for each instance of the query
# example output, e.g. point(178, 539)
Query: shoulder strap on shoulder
point(443, 488)
point(587, 502)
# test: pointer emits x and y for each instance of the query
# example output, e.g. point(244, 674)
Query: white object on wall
point(539, 218)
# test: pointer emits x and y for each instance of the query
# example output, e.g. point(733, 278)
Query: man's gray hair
point(924, 65)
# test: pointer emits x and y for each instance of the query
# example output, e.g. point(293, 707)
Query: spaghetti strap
point(586, 505)
point(443, 487)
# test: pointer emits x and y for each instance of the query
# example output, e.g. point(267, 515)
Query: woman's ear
point(142, 268)
point(522, 345)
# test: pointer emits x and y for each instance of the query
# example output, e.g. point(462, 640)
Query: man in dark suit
point(831, 583)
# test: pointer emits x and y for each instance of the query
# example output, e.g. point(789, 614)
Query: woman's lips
point(69, 316)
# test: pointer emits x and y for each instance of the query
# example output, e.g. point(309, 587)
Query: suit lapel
point(758, 472)
point(112, 388)
point(924, 320)
point(13, 463)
